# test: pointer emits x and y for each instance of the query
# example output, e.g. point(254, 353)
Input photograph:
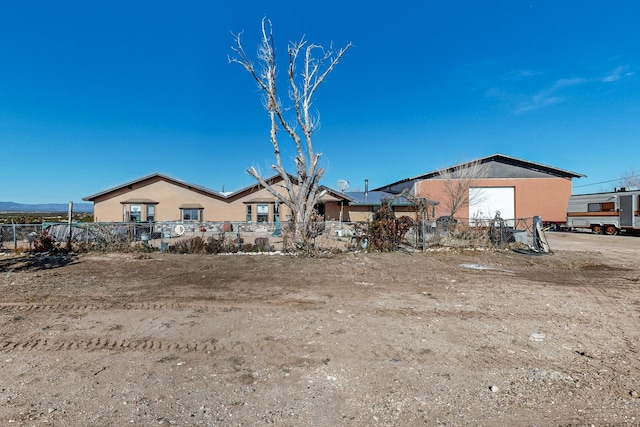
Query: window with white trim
point(151, 213)
point(135, 213)
point(262, 213)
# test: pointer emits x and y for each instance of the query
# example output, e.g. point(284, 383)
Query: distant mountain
point(44, 207)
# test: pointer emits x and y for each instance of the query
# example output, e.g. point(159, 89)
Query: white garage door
point(486, 202)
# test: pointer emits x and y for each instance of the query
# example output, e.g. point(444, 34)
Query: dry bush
point(213, 245)
point(193, 245)
point(43, 242)
point(308, 245)
point(463, 236)
point(263, 244)
point(143, 248)
point(327, 244)
point(250, 247)
point(110, 239)
point(385, 231)
point(220, 245)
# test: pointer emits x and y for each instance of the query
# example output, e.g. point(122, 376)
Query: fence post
point(70, 215)
point(15, 238)
point(239, 245)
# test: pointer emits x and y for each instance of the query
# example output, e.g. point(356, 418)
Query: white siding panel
point(486, 202)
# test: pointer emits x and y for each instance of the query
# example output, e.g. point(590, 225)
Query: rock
point(537, 337)
point(494, 389)
point(543, 375)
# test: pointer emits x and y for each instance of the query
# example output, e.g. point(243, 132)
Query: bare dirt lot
point(435, 338)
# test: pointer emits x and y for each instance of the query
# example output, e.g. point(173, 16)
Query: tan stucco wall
point(360, 213)
point(349, 213)
point(332, 211)
point(167, 196)
point(545, 197)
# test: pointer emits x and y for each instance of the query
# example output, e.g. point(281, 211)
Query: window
point(601, 207)
point(248, 213)
point(263, 213)
point(276, 212)
point(192, 214)
point(135, 213)
point(151, 213)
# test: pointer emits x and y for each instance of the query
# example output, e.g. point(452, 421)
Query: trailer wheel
point(597, 229)
point(611, 230)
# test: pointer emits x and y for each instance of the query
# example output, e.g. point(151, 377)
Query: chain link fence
point(15, 236)
point(215, 237)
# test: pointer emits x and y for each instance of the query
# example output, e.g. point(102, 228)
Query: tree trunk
point(303, 192)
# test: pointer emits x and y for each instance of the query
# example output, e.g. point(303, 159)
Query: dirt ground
point(449, 338)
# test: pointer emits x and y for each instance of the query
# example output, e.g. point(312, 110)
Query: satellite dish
point(343, 185)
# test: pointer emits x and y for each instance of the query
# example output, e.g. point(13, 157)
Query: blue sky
point(95, 94)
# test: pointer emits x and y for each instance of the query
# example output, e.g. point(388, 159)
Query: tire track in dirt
point(201, 308)
point(100, 344)
point(26, 307)
point(279, 351)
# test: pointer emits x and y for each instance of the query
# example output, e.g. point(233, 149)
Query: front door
point(626, 211)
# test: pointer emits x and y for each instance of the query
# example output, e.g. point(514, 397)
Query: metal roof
point(497, 157)
point(374, 198)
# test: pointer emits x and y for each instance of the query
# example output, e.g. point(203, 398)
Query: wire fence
point(216, 237)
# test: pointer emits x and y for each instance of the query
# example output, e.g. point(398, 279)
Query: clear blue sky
point(98, 93)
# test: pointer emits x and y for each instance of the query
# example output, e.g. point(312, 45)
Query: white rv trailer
point(606, 213)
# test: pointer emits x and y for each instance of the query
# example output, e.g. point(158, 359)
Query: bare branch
point(457, 181)
point(630, 179)
point(316, 63)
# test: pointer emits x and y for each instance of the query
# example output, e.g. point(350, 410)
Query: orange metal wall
point(545, 197)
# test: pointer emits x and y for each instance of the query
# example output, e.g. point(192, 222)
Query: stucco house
point(513, 187)
point(159, 197)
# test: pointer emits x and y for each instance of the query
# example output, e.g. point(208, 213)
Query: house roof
point(331, 194)
point(141, 201)
point(497, 157)
point(174, 181)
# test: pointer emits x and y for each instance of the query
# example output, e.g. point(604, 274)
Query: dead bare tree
point(457, 181)
point(630, 179)
point(303, 191)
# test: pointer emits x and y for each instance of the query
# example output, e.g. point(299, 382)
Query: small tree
point(302, 190)
point(457, 182)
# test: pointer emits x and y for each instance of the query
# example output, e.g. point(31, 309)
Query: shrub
point(385, 231)
point(220, 245)
point(248, 247)
point(44, 242)
point(193, 245)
